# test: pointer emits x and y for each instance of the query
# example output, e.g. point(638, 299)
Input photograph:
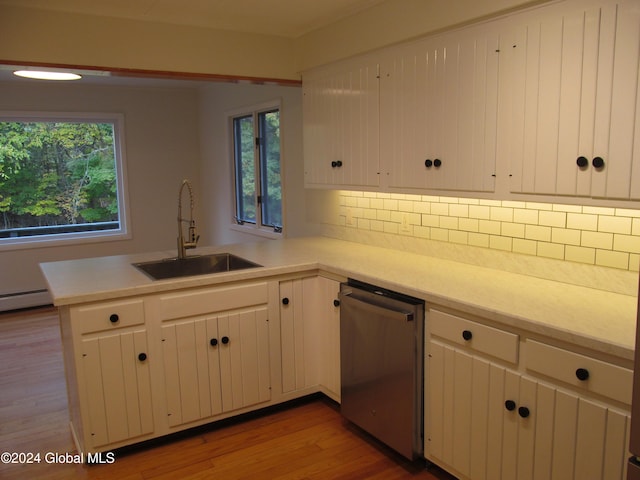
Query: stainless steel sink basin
point(195, 265)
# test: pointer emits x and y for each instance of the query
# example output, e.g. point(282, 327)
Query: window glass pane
point(270, 168)
point(245, 169)
point(57, 177)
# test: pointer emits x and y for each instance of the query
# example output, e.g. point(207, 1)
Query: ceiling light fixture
point(47, 75)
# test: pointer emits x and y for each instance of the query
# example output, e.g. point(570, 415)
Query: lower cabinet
point(487, 420)
point(108, 369)
point(215, 364)
point(310, 335)
point(115, 370)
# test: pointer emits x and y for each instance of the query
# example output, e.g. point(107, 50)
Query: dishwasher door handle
point(374, 308)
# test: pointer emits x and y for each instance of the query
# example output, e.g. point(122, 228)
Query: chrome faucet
point(192, 238)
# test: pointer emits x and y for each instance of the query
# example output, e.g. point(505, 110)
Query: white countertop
point(587, 317)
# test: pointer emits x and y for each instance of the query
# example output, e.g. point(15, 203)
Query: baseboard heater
point(18, 300)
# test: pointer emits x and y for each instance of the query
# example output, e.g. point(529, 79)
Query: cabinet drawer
point(207, 300)
point(597, 376)
point(478, 337)
point(107, 316)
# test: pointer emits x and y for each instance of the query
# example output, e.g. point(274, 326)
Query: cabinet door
point(191, 368)
point(574, 86)
point(341, 124)
point(328, 312)
point(489, 422)
point(439, 112)
point(244, 358)
point(115, 371)
point(310, 335)
point(215, 364)
point(293, 337)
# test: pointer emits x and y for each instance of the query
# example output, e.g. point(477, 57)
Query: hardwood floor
point(306, 440)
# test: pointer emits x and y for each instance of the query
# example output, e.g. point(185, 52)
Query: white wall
point(216, 101)
point(162, 147)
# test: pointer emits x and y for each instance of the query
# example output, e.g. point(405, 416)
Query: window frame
point(235, 224)
point(91, 236)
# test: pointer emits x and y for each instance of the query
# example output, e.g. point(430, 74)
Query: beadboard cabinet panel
point(341, 124)
point(485, 420)
point(574, 107)
point(439, 101)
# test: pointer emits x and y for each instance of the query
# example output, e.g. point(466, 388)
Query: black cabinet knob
point(428, 163)
point(225, 340)
point(597, 162)
point(336, 164)
point(213, 342)
point(582, 162)
point(582, 374)
point(336, 303)
point(142, 357)
point(437, 162)
point(285, 301)
point(523, 412)
point(114, 318)
point(510, 405)
point(467, 335)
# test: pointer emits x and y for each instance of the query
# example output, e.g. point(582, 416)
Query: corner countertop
point(587, 317)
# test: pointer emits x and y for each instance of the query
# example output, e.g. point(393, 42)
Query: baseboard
point(17, 301)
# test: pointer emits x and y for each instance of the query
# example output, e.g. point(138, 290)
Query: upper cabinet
point(341, 125)
point(543, 102)
point(438, 112)
point(573, 101)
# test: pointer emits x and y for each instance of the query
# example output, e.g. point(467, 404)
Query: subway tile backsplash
point(608, 237)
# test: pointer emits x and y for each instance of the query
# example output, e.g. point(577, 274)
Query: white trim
point(122, 233)
point(251, 229)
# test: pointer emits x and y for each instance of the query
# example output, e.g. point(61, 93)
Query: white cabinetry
point(574, 108)
point(486, 419)
point(438, 114)
point(543, 102)
point(310, 335)
point(215, 348)
point(340, 126)
point(107, 362)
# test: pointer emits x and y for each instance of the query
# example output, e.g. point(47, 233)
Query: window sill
point(23, 243)
point(258, 232)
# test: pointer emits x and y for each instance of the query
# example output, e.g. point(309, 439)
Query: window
point(256, 154)
point(61, 178)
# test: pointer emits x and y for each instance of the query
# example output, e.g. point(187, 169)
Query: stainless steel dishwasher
point(381, 364)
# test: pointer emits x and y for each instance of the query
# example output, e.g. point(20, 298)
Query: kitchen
point(341, 214)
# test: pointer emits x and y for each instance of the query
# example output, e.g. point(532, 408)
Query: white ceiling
point(287, 18)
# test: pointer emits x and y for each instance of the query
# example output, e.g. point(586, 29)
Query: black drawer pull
point(510, 405)
point(582, 374)
point(142, 357)
point(523, 412)
point(285, 301)
point(467, 335)
point(225, 340)
point(213, 342)
point(114, 318)
point(336, 303)
point(582, 162)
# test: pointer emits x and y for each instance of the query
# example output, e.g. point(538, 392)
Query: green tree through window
point(256, 140)
point(57, 177)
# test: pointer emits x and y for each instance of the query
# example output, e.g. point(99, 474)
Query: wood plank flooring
point(306, 440)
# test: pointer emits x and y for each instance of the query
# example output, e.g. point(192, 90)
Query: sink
point(195, 265)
